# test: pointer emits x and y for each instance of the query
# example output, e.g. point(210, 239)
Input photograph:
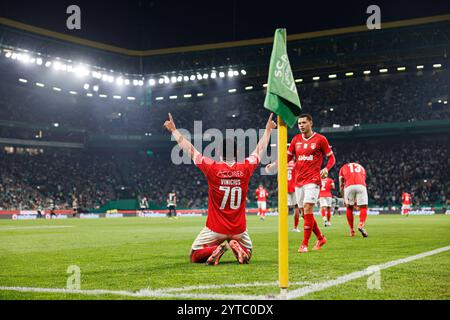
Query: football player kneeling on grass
point(227, 190)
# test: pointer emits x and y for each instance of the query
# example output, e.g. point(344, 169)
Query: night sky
point(147, 24)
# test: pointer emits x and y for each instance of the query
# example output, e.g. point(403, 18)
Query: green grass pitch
point(136, 253)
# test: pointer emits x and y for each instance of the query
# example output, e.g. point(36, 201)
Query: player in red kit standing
point(309, 149)
point(326, 199)
point(292, 203)
point(352, 182)
point(406, 203)
point(261, 199)
point(227, 190)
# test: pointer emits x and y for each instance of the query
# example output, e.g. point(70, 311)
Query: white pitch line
point(34, 227)
point(359, 274)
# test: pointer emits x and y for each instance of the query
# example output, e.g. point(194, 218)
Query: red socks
point(296, 217)
point(201, 255)
point(362, 216)
point(310, 225)
point(328, 214)
point(350, 217)
point(323, 212)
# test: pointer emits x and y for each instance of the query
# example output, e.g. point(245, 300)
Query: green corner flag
point(282, 97)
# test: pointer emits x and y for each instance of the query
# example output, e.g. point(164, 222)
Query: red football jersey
point(227, 192)
point(325, 189)
point(291, 176)
point(309, 155)
point(353, 173)
point(261, 194)
point(406, 198)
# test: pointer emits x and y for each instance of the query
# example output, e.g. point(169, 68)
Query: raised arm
point(264, 141)
point(181, 140)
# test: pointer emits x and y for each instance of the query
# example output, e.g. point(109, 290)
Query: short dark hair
point(229, 149)
point(307, 116)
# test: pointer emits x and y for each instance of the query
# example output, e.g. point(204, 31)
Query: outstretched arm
point(181, 140)
point(264, 141)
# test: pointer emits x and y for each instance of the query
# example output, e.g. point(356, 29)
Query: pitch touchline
point(34, 227)
point(358, 274)
point(166, 293)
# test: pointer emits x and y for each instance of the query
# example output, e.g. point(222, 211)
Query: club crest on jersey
point(313, 146)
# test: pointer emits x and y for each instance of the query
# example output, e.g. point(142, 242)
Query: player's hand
point(324, 173)
point(170, 124)
point(270, 168)
point(270, 124)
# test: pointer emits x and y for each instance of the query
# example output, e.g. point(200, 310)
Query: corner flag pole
point(283, 268)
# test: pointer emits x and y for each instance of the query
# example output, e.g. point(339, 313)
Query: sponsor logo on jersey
point(230, 174)
point(305, 158)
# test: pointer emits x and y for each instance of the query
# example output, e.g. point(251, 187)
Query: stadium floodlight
point(445, 101)
point(39, 84)
point(173, 79)
point(89, 94)
point(205, 76)
point(95, 88)
point(349, 74)
point(23, 80)
point(48, 64)
point(131, 98)
point(401, 68)
point(119, 81)
point(73, 92)
point(159, 98)
point(57, 65)
point(86, 86)
point(192, 77)
point(180, 78)
point(232, 90)
point(166, 80)
point(135, 82)
point(200, 94)
point(437, 65)
point(213, 75)
point(82, 71)
point(97, 75)
point(126, 82)
point(140, 83)
point(316, 78)
point(265, 85)
point(298, 80)
point(336, 125)
point(331, 109)
point(199, 77)
point(366, 72)
point(222, 74)
point(8, 54)
point(243, 72)
point(110, 79)
point(117, 97)
point(105, 77)
point(332, 76)
point(103, 96)
point(151, 82)
point(57, 89)
point(161, 81)
point(248, 88)
point(230, 74)
point(419, 67)
point(186, 78)
point(384, 70)
point(69, 68)
point(188, 95)
point(56, 124)
point(439, 101)
point(173, 97)
point(235, 73)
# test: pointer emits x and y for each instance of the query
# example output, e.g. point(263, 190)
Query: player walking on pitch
point(309, 148)
point(261, 200)
point(227, 190)
point(406, 203)
point(326, 199)
point(352, 182)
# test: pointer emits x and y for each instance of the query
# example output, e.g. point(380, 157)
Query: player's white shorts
point(207, 238)
point(309, 193)
point(356, 192)
point(262, 205)
point(325, 202)
point(406, 206)
point(291, 199)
